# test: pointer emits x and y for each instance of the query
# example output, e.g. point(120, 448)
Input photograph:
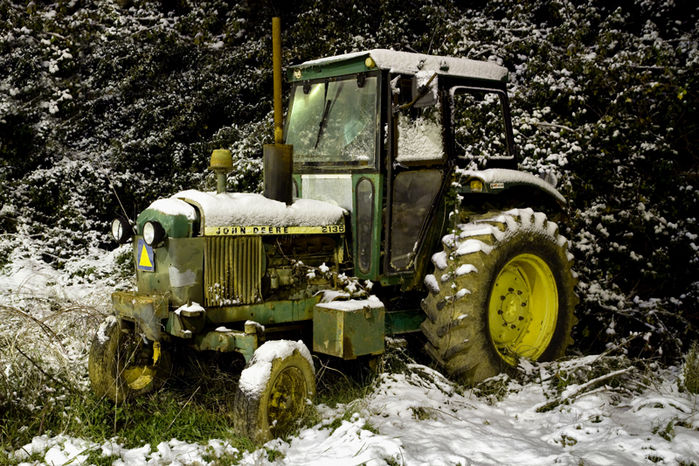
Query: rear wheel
point(123, 365)
point(274, 390)
point(503, 289)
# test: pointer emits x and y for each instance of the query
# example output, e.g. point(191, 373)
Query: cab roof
point(398, 63)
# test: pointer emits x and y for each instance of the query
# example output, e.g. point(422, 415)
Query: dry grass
point(44, 346)
point(690, 369)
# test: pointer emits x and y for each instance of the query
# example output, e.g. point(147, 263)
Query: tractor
point(374, 222)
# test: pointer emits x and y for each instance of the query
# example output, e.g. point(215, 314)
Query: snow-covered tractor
point(372, 225)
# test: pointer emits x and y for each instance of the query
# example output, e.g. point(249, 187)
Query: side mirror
point(425, 90)
point(417, 91)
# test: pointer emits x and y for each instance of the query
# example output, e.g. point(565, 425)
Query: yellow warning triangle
point(144, 261)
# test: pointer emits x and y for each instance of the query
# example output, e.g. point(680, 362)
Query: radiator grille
point(233, 270)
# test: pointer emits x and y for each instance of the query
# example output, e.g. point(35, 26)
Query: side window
point(478, 125)
point(413, 195)
point(420, 136)
point(419, 125)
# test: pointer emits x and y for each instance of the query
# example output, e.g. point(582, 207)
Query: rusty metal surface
point(234, 268)
point(348, 333)
point(146, 310)
point(178, 271)
point(227, 340)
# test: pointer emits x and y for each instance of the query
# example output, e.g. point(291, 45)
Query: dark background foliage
point(98, 97)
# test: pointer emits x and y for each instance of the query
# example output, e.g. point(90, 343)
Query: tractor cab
point(380, 133)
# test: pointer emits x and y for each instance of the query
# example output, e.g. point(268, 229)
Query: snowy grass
point(598, 409)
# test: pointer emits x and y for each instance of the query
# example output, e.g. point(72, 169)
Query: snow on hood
point(249, 209)
point(172, 206)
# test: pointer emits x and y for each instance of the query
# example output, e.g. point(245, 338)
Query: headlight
point(153, 233)
point(121, 230)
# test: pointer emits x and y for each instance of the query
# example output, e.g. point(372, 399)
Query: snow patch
point(255, 377)
point(439, 260)
point(503, 175)
point(174, 207)
point(354, 305)
point(413, 63)
point(249, 209)
point(101, 334)
point(471, 246)
point(191, 309)
point(465, 268)
point(431, 283)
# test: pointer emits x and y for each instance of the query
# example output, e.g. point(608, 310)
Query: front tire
point(502, 289)
point(274, 390)
point(122, 366)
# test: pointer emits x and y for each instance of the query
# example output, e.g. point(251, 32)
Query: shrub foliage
point(98, 98)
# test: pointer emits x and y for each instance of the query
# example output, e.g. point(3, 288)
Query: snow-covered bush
point(134, 95)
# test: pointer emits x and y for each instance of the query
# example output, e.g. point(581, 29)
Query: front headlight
point(121, 230)
point(153, 233)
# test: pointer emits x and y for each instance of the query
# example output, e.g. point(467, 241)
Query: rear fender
point(501, 182)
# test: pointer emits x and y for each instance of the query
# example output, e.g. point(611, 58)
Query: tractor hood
point(226, 214)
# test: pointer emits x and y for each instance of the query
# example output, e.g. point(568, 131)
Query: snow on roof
point(504, 175)
point(248, 209)
point(411, 63)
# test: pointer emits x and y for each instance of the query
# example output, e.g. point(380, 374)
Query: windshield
point(334, 122)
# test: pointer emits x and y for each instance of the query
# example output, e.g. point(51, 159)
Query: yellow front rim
point(138, 377)
point(287, 399)
point(523, 308)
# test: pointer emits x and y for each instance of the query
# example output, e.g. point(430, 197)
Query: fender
point(496, 181)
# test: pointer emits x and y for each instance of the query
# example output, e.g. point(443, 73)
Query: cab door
point(416, 178)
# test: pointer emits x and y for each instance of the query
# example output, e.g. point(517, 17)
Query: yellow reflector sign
point(144, 257)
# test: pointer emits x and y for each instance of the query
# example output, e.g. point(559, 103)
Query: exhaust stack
point(278, 157)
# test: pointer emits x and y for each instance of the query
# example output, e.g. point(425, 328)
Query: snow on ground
point(418, 417)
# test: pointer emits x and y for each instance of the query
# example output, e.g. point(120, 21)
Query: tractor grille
point(233, 270)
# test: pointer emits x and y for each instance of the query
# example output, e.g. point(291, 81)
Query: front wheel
point(274, 390)
point(123, 365)
point(502, 289)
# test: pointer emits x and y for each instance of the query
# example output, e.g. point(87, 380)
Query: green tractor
point(373, 225)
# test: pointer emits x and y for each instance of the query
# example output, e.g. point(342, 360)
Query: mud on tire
point(502, 289)
point(122, 366)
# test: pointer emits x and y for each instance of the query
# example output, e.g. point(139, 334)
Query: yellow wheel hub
point(287, 399)
point(138, 377)
point(523, 308)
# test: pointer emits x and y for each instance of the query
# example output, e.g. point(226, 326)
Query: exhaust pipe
point(278, 161)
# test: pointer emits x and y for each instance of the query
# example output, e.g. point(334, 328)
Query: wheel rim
point(523, 308)
point(286, 399)
point(136, 376)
